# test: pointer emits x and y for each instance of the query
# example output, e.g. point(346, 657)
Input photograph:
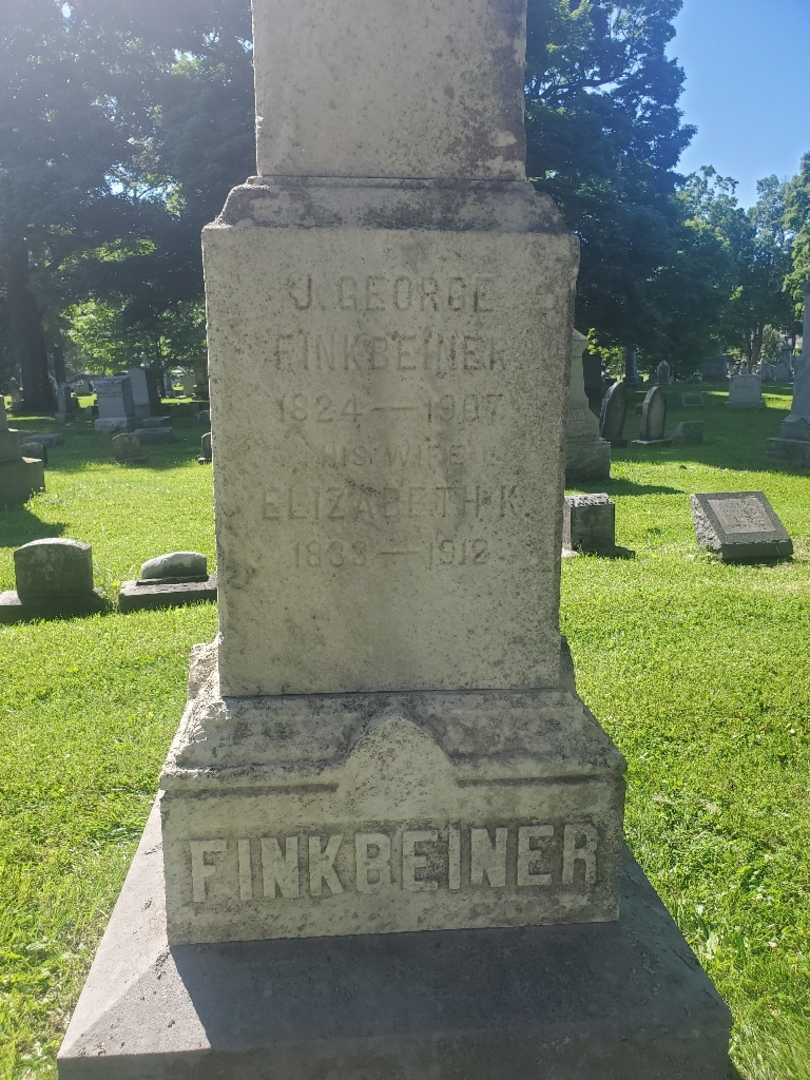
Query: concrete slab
point(135, 597)
point(621, 1001)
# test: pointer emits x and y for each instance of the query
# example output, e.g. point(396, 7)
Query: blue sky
point(747, 66)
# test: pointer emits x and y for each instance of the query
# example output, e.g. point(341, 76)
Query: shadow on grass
point(620, 486)
point(19, 526)
point(732, 1072)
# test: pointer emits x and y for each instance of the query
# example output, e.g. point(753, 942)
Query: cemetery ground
point(697, 670)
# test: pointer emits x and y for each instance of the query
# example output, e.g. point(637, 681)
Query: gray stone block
point(136, 597)
point(619, 1001)
point(740, 526)
point(589, 524)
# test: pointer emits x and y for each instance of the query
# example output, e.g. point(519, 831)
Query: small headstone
point(614, 414)
point(688, 432)
point(589, 525)
point(172, 580)
point(653, 419)
point(740, 527)
point(205, 449)
point(745, 392)
point(203, 416)
point(54, 577)
point(663, 374)
point(127, 448)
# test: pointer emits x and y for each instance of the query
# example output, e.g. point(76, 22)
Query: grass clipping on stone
point(697, 670)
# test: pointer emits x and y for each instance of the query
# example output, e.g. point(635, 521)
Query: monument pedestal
point(622, 1001)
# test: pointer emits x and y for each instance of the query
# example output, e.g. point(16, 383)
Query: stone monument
point(386, 736)
point(142, 395)
point(793, 443)
point(745, 392)
point(587, 454)
point(20, 476)
point(116, 408)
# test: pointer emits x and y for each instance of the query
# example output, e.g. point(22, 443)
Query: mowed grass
point(698, 671)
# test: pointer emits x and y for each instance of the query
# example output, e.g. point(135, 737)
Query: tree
point(604, 138)
point(59, 134)
point(797, 223)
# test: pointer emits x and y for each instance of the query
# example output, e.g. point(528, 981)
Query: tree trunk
point(26, 333)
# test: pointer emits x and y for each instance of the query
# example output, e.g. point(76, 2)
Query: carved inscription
point(738, 516)
point(416, 399)
point(373, 860)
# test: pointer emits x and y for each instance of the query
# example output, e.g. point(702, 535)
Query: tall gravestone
point(116, 407)
point(793, 443)
point(587, 454)
point(385, 736)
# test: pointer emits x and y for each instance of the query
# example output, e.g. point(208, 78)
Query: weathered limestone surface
point(406, 89)
point(314, 815)
point(622, 1001)
point(405, 376)
point(587, 454)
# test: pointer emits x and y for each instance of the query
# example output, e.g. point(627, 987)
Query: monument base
point(13, 610)
point(613, 1001)
point(790, 451)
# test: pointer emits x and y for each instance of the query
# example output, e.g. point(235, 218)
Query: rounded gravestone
point(127, 448)
point(49, 571)
point(614, 412)
point(177, 565)
point(653, 416)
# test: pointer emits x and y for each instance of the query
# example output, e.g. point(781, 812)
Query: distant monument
point(793, 443)
point(587, 453)
point(384, 748)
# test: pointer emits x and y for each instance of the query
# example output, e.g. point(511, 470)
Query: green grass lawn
point(698, 671)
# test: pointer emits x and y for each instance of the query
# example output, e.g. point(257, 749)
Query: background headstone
point(205, 449)
point(740, 527)
point(663, 374)
point(172, 580)
point(116, 408)
point(587, 453)
point(688, 432)
point(653, 419)
point(127, 448)
point(141, 396)
point(614, 414)
point(53, 577)
point(745, 392)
